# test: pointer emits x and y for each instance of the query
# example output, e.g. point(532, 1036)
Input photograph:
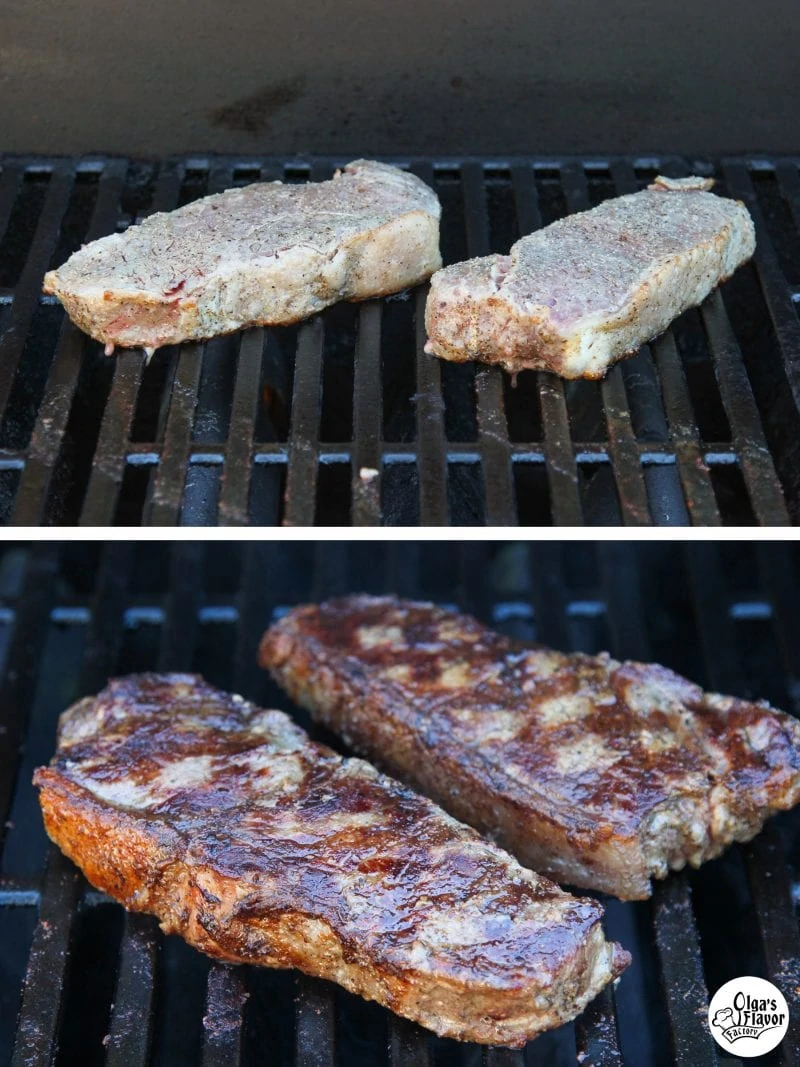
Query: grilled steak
point(266, 254)
point(591, 288)
point(259, 846)
point(598, 773)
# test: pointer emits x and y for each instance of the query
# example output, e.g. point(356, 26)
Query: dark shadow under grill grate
point(277, 426)
point(81, 982)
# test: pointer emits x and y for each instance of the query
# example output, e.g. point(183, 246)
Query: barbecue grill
point(82, 982)
point(288, 425)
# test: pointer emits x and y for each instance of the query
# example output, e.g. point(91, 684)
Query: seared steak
point(259, 846)
point(591, 288)
point(266, 254)
point(597, 773)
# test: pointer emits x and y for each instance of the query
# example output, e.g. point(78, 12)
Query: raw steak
point(591, 288)
point(265, 254)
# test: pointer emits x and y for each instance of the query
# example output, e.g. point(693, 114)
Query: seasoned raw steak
point(591, 288)
point(258, 846)
point(598, 773)
point(266, 254)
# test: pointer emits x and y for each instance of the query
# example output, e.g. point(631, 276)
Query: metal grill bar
point(503, 1057)
point(48, 432)
point(301, 477)
point(169, 479)
point(44, 979)
point(432, 447)
point(315, 1022)
point(431, 444)
point(668, 505)
point(755, 460)
point(27, 291)
point(263, 580)
point(772, 894)
point(596, 1033)
point(789, 180)
point(621, 445)
point(183, 598)
point(22, 668)
point(717, 453)
point(500, 505)
point(779, 580)
point(692, 469)
point(105, 480)
point(682, 974)
point(562, 471)
point(165, 492)
point(165, 496)
point(408, 1044)
point(44, 982)
point(777, 293)
point(107, 614)
point(222, 1022)
point(131, 1017)
point(367, 431)
point(9, 186)
point(549, 594)
point(235, 493)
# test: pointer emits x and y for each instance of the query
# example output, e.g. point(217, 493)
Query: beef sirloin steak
point(598, 773)
point(591, 288)
point(259, 846)
point(265, 254)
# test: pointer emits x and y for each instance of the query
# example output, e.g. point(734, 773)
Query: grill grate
point(275, 426)
point(81, 983)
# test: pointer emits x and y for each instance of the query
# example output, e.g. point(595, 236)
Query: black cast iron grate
point(277, 426)
point(83, 983)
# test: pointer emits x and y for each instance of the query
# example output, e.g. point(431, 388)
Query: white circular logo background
point(748, 1016)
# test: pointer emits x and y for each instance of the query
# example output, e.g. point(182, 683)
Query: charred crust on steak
point(598, 773)
point(260, 846)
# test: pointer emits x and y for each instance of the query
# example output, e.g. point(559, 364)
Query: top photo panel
point(532, 266)
point(541, 342)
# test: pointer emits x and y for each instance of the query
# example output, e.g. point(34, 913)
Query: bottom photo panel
point(386, 803)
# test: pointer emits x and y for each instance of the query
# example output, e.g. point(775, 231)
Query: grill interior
point(275, 426)
point(82, 982)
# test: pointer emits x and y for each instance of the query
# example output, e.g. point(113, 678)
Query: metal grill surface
point(276, 426)
point(83, 983)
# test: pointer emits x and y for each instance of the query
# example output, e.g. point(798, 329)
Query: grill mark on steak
point(258, 845)
point(599, 773)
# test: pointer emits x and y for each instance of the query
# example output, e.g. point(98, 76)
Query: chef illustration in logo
point(748, 1016)
point(723, 1019)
